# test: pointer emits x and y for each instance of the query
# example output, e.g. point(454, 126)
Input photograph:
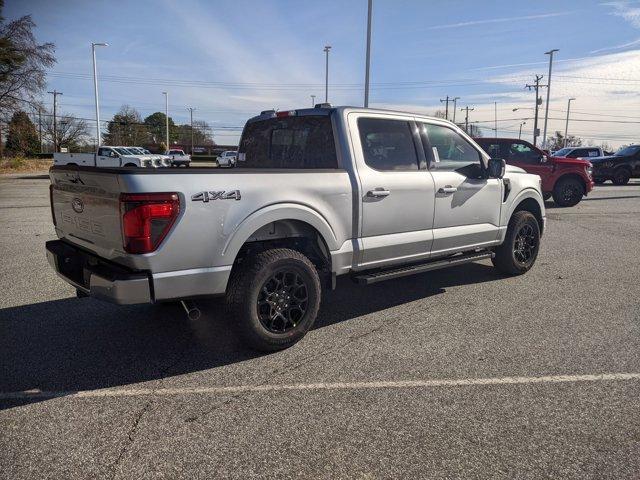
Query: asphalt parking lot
point(457, 373)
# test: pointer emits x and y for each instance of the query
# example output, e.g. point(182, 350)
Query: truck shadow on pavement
point(75, 344)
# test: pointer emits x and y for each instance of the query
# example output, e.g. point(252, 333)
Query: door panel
point(467, 206)
point(467, 217)
point(396, 204)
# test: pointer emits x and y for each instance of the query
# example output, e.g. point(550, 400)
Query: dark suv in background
point(619, 167)
point(566, 179)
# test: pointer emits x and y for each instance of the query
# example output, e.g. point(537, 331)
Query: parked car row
point(569, 173)
point(119, 156)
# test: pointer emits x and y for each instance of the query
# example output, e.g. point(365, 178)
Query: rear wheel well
point(294, 234)
point(530, 205)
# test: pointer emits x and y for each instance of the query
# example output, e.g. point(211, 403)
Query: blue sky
point(231, 59)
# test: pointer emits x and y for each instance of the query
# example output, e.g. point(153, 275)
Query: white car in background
point(178, 157)
point(227, 159)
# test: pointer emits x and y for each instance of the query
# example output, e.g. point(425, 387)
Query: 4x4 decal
point(221, 195)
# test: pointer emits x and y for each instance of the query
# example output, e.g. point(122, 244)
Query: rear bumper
point(96, 277)
point(117, 284)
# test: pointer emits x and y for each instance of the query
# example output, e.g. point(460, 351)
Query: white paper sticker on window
point(436, 156)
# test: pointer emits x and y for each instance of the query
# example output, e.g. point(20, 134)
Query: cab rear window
point(300, 142)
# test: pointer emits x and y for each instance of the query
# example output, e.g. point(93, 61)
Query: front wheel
point(568, 192)
point(519, 251)
point(274, 297)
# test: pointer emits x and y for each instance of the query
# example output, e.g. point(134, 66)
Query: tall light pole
point(566, 125)
point(95, 89)
point(366, 75)
point(326, 73)
point(520, 133)
point(546, 110)
point(166, 117)
point(495, 118)
point(313, 101)
point(191, 109)
point(455, 99)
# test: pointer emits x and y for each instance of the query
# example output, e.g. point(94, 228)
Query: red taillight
point(146, 219)
point(53, 213)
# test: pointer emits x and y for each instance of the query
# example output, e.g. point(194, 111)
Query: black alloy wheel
point(282, 301)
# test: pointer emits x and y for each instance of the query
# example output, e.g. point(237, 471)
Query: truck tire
point(568, 192)
point(519, 251)
point(274, 297)
point(621, 176)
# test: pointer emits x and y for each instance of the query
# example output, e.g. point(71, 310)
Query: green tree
point(22, 138)
point(23, 62)
point(126, 128)
point(156, 127)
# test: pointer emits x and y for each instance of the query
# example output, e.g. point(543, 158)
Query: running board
point(379, 276)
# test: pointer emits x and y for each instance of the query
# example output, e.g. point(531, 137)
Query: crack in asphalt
point(131, 434)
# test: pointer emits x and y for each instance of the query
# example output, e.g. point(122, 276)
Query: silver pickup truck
point(316, 193)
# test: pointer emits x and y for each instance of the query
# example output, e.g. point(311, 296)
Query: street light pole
point(566, 125)
point(95, 88)
point(326, 73)
point(546, 110)
point(313, 101)
point(520, 133)
point(495, 118)
point(366, 75)
point(166, 117)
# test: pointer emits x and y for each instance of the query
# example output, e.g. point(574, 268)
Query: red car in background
point(566, 179)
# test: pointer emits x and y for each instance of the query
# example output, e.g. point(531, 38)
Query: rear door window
point(387, 144)
point(298, 142)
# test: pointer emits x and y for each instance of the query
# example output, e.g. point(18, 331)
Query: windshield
point(627, 151)
point(563, 152)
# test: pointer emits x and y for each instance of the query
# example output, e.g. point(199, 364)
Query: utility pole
point(313, 101)
point(495, 118)
point(40, 126)
point(466, 117)
point(566, 125)
point(191, 109)
point(520, 133)
point(366, 75)
point(326, 73)
point(546, 110)
point(55, 94)
point(455, 99)
point(446, 107)
point(536, 86)
point(166, 117)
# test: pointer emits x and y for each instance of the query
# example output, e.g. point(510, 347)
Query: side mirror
point(496, 168)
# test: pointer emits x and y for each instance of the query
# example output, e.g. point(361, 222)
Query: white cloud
point(629, 10)
point(498, 20)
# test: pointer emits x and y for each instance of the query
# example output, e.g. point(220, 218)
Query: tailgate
point(86, 209)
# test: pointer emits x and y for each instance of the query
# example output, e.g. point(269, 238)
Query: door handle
point(447, 189)
point(378, 193)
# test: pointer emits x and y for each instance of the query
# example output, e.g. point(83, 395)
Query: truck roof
point(326, 109)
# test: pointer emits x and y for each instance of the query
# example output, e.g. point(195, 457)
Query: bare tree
point(23, 62)
point(72, 132)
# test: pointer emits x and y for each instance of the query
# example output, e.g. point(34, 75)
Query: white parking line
point(413, 384)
